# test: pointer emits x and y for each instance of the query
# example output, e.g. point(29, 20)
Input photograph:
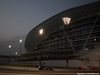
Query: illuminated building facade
point(59, 41)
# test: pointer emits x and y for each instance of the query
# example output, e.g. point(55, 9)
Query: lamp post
point(40, 32)
point(15, 56)
point(66, 21)
point(20, 41)
point(9, 53)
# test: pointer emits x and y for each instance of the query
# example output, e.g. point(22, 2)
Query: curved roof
point(34, 38)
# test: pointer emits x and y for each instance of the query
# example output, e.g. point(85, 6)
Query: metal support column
point(67, 62)
point(69, 42)
point(40, 59)
point(89, 35)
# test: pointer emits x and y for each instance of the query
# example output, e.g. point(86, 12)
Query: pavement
point(30, 68)
point(19, 68)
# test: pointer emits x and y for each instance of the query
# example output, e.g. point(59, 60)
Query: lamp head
point(9, 46)
point(20, 40)
point(66, 20)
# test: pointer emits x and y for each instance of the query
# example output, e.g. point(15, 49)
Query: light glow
point(66, 20)
point(9, 46)
point(86, 49)
point(16, 53)
point(95, 38)
point(20, 40)
point(41, 31)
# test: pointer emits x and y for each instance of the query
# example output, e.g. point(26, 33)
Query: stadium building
point(72, 37)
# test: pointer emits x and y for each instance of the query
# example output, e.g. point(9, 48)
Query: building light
point(95, 38)
point(86, 49)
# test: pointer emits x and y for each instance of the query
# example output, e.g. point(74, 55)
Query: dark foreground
point(26, 71)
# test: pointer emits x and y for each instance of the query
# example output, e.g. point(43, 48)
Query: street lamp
point(20, 41)
point(9, 52)
point(40, 32)
point(9, 46)
point(66, 21)
point(15, 56)
point(16, 53)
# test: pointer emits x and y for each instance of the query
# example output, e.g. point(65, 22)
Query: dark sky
point(18, 17)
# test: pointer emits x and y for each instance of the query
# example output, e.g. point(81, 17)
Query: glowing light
point(95, 38)
point(41, 31)
point(9, 46)
point(86, 48)
point(20, 40)
point(66, 20)
point(16, 53)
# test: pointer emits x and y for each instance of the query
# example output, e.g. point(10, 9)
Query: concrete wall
point(90, 59)
point(83, 63)
point(72, 63)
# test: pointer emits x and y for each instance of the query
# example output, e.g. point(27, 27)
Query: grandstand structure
point(76, 41)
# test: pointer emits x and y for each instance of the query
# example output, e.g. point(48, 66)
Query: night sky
point(18, 17)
